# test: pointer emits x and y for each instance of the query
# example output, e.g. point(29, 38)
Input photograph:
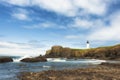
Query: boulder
point(35, 59)
point(5, 59)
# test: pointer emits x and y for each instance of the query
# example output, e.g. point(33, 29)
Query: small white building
point(88, 45)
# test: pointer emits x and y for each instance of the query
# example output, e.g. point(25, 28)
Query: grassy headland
point(108, 52)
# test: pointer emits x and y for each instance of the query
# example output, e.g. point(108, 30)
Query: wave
point(96, 61)
point(86, 61)
point(45, 66)
point(92, 61)
point(56, 59)
point(20, 58)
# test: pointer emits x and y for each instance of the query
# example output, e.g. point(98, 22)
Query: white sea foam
point(18, 59)
point(44, 66)
point(91, 61)
point(56, 59)
point(95, 61)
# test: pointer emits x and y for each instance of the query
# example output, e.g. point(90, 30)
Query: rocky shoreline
point(104, 71)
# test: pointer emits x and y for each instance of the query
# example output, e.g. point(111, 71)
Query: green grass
point(96, 48)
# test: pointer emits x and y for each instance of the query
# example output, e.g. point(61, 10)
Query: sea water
point(10, 71)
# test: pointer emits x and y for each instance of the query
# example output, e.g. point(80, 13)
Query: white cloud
point(72, 37)
point(44, 25)
point(108, 33)
point(20, 14)
point(20, 49)
point(66, 7)
point(76, 37)
point(39, 26)
point(82, 23)
point(58, 6)
point(13, 45)
point(18, 2)
point(97, 7)
point(79, 23)
point(72, 7)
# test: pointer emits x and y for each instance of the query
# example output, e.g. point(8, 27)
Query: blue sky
point(30, 27)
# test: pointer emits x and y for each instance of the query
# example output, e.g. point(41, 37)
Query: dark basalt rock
point(5, 59)
point(35, 59)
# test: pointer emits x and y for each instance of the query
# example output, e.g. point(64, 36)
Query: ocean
point(10, 71)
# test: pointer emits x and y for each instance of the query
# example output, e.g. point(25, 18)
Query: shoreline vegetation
point(104, 71)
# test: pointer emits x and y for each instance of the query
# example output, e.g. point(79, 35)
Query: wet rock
point(101, 72)
point(35, 59)
point(5, 59)
point(114, 65)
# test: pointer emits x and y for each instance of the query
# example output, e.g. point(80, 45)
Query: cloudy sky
point(30, 27)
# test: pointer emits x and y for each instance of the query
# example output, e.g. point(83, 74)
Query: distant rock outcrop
point(58, 51)
point(35, 59)
point(5, 59)
point(110, 52)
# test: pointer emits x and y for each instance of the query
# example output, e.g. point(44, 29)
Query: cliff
point(110, 52)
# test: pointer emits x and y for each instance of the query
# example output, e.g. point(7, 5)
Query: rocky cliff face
point(112, 52)
point(58, 51)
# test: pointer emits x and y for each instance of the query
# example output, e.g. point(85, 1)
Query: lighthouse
point(88, 45)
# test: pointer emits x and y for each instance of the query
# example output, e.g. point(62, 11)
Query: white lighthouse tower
point(88, 45)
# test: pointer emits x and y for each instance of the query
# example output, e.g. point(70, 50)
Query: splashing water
point(20, 58)
point(56, 59)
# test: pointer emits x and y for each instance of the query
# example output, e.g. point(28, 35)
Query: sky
point(30, 27)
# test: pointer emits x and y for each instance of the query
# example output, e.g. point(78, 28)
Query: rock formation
point(35, 59)
point(111, 52)
point(58, 51)
point(5, 59)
